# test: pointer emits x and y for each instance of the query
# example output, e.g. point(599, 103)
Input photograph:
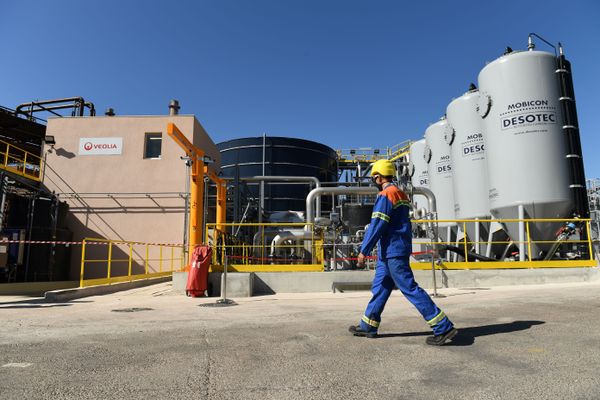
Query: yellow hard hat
point(383, 168)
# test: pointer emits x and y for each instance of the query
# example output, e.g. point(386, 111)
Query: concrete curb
point(77, 293)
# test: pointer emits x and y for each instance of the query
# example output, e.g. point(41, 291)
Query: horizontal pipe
point(318, 192)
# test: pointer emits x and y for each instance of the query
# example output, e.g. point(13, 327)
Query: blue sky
point(345, 73)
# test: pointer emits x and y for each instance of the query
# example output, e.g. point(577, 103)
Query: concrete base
point(260, 283)
point(77, 293)
point(238, 284)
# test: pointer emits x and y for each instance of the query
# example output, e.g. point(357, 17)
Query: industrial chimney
point(174, 107)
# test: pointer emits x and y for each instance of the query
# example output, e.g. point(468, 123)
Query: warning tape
point(88, 242)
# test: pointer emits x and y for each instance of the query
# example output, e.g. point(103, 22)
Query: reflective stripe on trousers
point(396, 271)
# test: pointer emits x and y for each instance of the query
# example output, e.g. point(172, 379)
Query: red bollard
point(197, 282)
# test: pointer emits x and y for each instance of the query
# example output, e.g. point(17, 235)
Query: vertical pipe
point(488, 250)
point(521, 232)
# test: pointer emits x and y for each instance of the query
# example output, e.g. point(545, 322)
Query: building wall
point(104, 206)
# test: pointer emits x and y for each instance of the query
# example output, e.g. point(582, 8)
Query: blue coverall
point(390, 225)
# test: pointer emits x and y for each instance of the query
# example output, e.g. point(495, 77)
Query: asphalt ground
point(522, 342)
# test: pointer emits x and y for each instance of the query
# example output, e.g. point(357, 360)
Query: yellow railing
point(583, 225)
point(111, 261)
point(20, 162)
point(250, 247)
point(371, 155)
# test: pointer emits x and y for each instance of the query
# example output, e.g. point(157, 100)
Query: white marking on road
point(17, 365)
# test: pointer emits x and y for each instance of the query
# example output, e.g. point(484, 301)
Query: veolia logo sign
point(100, 146)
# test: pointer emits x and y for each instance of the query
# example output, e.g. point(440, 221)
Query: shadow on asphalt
point(466, 336)
point(38, 303)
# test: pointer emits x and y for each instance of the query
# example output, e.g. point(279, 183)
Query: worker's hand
point(361, 261)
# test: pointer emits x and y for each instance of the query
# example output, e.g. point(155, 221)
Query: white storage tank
point(524, 142)
point(464, 134)
point(417, 171)
point(439, 167)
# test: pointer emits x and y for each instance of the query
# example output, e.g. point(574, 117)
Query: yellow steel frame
point(199, 170)
point(110, 261)
point(19, 161)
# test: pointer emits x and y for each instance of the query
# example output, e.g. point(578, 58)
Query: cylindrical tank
point(417, 170)
point(464, 134)
point(439, 167)
point(525, 145)
point(280, 156)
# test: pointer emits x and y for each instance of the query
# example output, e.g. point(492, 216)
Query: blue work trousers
point(396, 271)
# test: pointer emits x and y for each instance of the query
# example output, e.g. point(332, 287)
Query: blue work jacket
point(389, 225)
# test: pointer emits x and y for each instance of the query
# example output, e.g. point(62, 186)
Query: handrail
point(139, 259)
point(29, 166)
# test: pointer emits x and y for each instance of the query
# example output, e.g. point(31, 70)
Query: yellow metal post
point(109, 260)
point(589, 238)
point(528, 240)
point(146, 262)
point(465, 242)
point(130, 256)
point(161, 259)
point(196, 186)
point(172, 256)
point(82, 264)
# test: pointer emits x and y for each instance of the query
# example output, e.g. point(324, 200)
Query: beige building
point(123, 178)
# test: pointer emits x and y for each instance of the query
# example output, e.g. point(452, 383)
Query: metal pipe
point(317, 192)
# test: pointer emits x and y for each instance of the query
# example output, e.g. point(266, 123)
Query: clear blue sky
point(345, 73)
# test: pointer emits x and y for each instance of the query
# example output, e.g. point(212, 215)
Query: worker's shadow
point(466, 335)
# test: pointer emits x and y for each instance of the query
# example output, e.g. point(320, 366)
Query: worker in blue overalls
point(390, 225)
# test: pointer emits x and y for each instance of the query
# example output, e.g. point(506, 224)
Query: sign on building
point(100, 146)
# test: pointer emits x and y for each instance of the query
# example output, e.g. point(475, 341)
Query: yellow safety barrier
point(251, 247)
point(111, 261)
point(21, 162)
point(530, 262)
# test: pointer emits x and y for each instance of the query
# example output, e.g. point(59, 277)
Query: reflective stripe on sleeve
point(371, 322)
point(436, 319)
point(402, 203)
point(380, 215)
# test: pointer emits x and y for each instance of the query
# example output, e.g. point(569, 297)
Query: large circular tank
point(525, 145)
point(419, 176)
point(439, 168)
point(465, 136)
point(282, 157)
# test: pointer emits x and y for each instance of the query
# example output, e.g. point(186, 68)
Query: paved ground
point(514, 343)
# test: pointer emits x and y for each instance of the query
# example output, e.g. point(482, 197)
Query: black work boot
point(356, 330)
point(440, 339)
